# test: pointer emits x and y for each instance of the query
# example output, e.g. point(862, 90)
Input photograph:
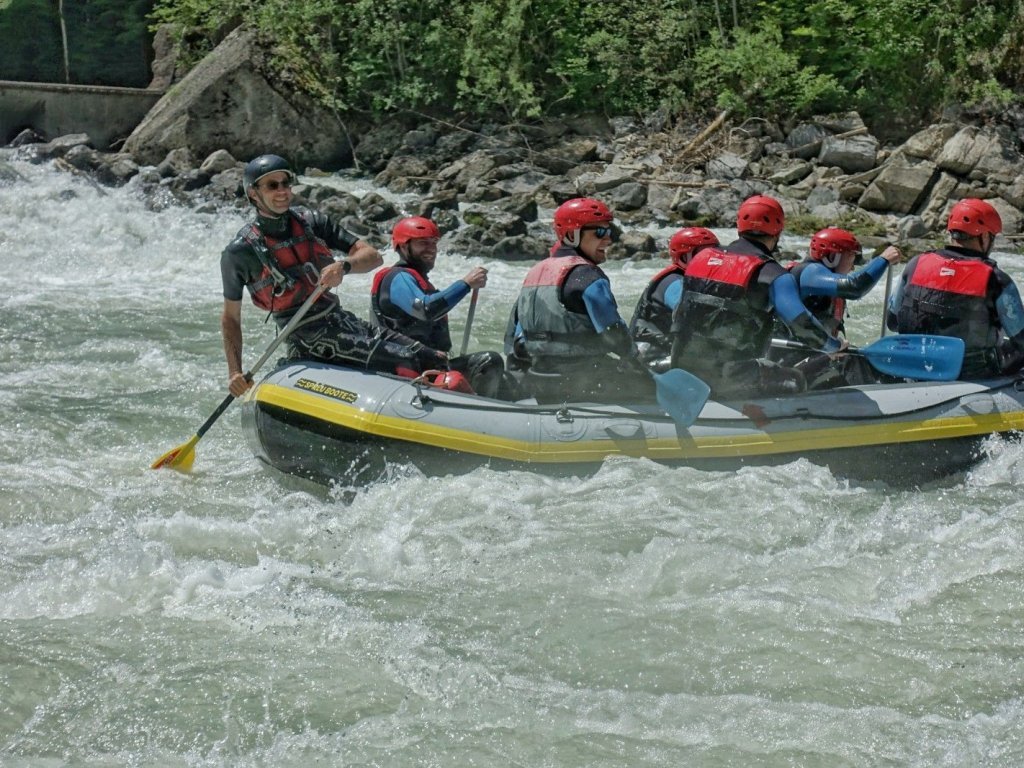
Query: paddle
point(885, 301)
point(906, 355)
point(181, 458)
point(681, 395)
point(469, 321)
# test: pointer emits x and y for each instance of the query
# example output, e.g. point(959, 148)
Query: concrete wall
point(108, 115)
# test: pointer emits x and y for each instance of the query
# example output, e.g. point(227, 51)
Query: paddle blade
point(180, 458)
point(681, 395)
point(917, 356)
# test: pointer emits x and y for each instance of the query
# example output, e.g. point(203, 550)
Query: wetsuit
point(567, 338)
point(328, 333)
point(723, 326)
point(404, 300)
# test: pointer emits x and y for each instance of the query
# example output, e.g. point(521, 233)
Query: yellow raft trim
point(681, 447)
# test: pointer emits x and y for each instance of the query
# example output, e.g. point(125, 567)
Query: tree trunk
point(64, 40)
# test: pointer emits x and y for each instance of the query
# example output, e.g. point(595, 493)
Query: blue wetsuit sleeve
point(1011, 313)
point(601, 306)
point(785, 297)
point(819, 280)
point(407, 295)
point(674, 295)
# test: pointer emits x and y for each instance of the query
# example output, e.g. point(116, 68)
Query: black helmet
point(259, 167)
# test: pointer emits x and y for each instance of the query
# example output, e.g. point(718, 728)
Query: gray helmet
point(259, 167)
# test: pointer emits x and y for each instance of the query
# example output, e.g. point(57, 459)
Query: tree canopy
point(896, 61)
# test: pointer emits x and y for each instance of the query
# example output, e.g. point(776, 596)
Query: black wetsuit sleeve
point(238, 267)
point(331, 232)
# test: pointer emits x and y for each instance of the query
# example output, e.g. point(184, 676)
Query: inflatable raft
point(328, 424)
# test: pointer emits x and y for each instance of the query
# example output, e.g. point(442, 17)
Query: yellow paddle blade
point(180, 458)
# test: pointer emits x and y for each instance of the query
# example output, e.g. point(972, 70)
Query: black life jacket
point(432, 333)
point(725, 313)
point(950, 294)
point(652, 318)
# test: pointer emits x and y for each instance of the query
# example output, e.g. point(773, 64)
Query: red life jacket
point(284, 282)
point(726, 313)
point(948, 294)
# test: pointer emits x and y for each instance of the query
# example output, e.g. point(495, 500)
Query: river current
point(640, 616)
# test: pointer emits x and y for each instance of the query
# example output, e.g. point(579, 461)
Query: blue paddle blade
point(681, 395)
point(917, 356)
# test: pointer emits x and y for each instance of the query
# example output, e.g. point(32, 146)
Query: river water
point(642, 616)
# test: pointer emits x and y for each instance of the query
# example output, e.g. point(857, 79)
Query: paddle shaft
point(885, 301)
point(285, 332)
point(469, 321)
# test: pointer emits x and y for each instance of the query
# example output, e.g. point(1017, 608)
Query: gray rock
point(378, 145)
point(177, 162)
point(728, 166)
point(928, 143)
point(627, 197)
point(933, 211)
point(227, 101)
point(803, 140)
point(518, 248)
point(852, 154)
point(900, 185)
point(218, 161)
point(910, 227)
point(791, 172)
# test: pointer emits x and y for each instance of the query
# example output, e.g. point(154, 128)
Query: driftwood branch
point(707, 133)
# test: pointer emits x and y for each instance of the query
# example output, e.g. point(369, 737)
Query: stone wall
point(107, 115)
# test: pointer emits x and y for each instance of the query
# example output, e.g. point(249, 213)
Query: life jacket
point(652, 318)
point(549, 329)
point(725, 314)
point(432, 333)
point(285, 281)
point(830, 311)
point(948, 294)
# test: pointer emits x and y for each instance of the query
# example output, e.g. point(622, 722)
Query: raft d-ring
point(564, 416)
point(1018, 384)
point(419, 399)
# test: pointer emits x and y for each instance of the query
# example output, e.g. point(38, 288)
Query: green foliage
point(754, 75)
point(29, 38)
point(516, 59)
point(108, 42)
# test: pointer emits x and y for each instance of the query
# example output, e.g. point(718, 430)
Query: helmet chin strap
point(574, 239)
point(832, 260)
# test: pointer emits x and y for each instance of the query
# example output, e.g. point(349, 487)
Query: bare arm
point(362, 257)
point(231, 333)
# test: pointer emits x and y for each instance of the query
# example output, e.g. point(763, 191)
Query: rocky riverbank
point(484, 184)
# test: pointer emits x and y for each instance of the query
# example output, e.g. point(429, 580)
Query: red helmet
point(684, 242)
point(760, 215)
point(828, 244)
point(572, 215)
point(412, 228)
point(973, 216)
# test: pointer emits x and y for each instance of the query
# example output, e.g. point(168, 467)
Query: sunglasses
point(273, 186)
point(599, 231)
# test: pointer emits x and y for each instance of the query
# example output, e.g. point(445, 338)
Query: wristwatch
point(346, 266)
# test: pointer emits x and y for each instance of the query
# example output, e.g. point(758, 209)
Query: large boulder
point(226, 102)
point(900, 185)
